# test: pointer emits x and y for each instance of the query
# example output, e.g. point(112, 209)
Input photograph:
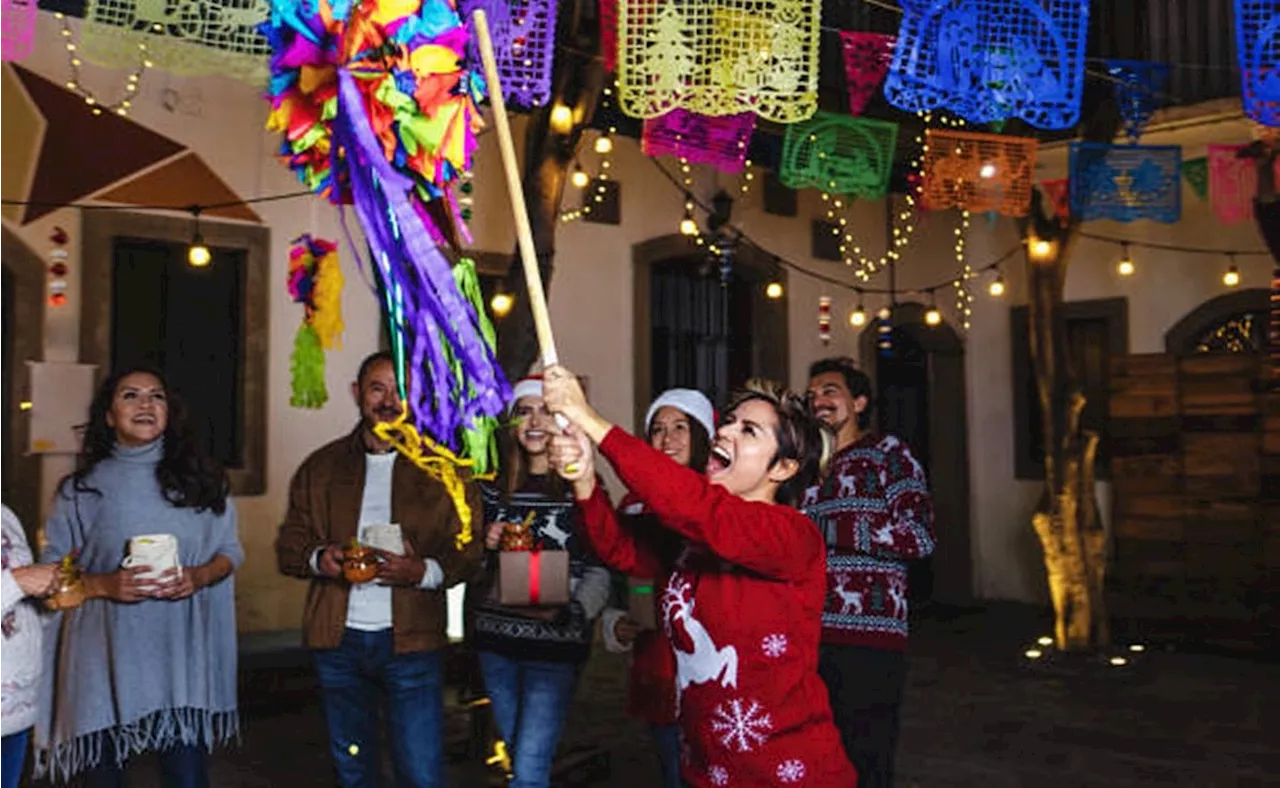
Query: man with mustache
point(383, 638)
point(875, 512)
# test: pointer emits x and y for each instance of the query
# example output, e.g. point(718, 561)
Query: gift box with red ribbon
point(533, 578)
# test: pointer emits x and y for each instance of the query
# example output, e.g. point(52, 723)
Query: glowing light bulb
point(580, 178)
point(1118, 661)
point(1045, 640)
point(1033, 653)
point(996, 288)
point(198, 255)
point(858, 317)
point(933, 317)
point(688, 226)
point(604, 144)
point(1125, 267)
point(1040, 249)
point(987, 171)
point(773, 290)
point(1231, 277)
point(561, 119)
point(501, 304)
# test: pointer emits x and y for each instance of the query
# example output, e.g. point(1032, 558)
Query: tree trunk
point(1067, 519)
point(578, 81)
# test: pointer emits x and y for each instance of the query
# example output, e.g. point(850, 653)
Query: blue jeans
point(354, 677)
point(12, 757)
point(530, 700)
point(667, 740)
point(183, 766)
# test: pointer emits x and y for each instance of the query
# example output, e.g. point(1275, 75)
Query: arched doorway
point(24, 299)
point(919, 378)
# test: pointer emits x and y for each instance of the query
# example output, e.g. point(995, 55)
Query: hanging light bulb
point(604, 144)
point(773, 290)
point(1231, 277)
point(1125, 266)
point(579, 178)
point(501, 302)
point(561, 119)
point(996, 288)
point(858, 317)
point(687, 225)
point(198, 254)
point(1039, 249)
point(933, 317)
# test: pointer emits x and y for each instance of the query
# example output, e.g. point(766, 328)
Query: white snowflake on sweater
point(774, 645)
point(741, 724)
point(791, 771)
point(718, 775)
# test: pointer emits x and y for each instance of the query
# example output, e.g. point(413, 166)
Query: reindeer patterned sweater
point(742, 610)
point(874, 510)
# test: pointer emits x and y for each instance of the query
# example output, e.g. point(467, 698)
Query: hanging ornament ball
point(58, 269)
point(57, 299)
point(59, 254)
point(466, 214)
point(466, 187)
point(58, 236)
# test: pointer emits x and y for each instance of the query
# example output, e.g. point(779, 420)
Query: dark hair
point(187, 478)
point(513, 472)
point(370, 360)
point(699, 442)
point(855, 380)
point(801, 436)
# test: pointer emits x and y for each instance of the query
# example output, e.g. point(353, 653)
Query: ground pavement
point(978, 713)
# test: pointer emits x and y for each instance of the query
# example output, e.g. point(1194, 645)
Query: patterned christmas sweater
point(742, 609)
point(566, 638)
point(874, 510)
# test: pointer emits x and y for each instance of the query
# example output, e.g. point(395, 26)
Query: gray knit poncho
point(142, 676)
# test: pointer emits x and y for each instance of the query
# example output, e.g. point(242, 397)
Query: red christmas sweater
point(742, 609)
point(874, 511)
point(651, 691)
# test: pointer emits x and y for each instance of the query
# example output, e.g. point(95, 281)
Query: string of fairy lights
point(75, 83)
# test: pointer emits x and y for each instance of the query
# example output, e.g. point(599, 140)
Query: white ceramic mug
point(157, 551)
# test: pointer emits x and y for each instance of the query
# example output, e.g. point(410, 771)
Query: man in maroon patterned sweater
point(873, 508)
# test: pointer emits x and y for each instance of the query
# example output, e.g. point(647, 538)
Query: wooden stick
point(515, 189)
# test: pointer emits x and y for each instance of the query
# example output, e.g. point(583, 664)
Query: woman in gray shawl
point(148, 662)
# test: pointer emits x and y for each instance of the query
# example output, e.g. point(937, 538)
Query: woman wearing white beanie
point(679, 423)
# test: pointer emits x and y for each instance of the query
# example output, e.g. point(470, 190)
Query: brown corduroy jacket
point(324, 508)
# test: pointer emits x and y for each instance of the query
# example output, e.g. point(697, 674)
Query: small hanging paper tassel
point(307, 368)
point(326, 318)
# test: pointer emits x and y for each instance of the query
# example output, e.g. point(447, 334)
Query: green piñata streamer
point(479, 437)
point(307, 368)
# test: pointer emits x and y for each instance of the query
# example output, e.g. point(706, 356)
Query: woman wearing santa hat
point(679, 424)
point(743, 606)
point(530, 659)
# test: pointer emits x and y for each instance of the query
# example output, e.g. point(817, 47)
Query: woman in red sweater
point(680, 423)
point(743, 606)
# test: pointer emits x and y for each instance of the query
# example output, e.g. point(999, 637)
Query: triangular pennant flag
point(1058, 190)
point(1196, 172)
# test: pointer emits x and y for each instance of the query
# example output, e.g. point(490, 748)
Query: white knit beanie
point(692, 403)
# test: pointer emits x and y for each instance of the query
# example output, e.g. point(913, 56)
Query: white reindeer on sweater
point(848, 486)
point(852, 600)
point(552, 530)
point(706, 662)
point(899, 596)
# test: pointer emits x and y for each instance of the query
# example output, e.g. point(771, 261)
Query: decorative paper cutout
point(17, 28)
point(1233, 183)
point(988, 60)
point(1126, 182)
point(839, 154)
point(978, 172)
point(182, 36)
point(1058, 190)
point(866, 60)
point(1258, 49)
point(721, 142)
point(719, 57)
point(524, 33)
point(608, 13)
point(1196, 173)
point(1138, 84)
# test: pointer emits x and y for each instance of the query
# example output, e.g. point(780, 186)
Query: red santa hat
point(526, 387)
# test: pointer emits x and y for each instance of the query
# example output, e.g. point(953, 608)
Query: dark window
point(701, 330)
point(1097, 331)
point(190, 323)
